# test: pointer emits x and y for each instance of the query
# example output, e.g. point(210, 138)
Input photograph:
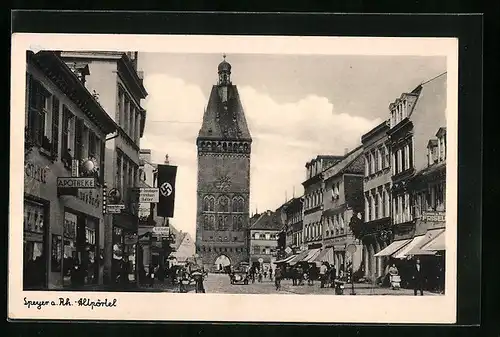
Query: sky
point(296, 106)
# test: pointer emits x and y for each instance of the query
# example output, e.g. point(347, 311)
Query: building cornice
point(54, 68)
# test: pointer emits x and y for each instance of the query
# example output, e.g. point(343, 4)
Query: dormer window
point(432, 155)
point(441, 144)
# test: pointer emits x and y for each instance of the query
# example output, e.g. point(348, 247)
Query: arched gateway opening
point(221, 262)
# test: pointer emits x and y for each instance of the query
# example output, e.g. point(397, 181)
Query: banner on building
point(166, 185)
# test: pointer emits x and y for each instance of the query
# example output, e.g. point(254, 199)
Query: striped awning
point(311, 255)
point(299, 257)
point(326, 255)
point(285, 260)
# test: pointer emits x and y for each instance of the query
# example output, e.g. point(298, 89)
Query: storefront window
point(91, 261)
point(70, 253)
point(35, 268)
point(56, 256)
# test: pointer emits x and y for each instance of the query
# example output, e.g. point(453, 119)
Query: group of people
point(416, 274)
point(326, 274)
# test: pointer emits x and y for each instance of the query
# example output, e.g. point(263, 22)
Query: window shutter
point(78, 138)
point(55, 127)
point(102, 144)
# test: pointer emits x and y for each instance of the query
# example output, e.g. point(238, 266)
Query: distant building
point(313, 200)
point(223, 191)
point(376, 231)
point(294, 223)
point(263, 239)
point(184, 248)
point(63, 122)
point(342, 200)
point(117, 84)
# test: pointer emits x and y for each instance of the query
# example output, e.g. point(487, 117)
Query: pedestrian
point(77, 278)
point(333, 275)
point(418, 278)
point(151, 275)
point(322, 274)
point(277, 277)
point(294, 275)
point(300, 272)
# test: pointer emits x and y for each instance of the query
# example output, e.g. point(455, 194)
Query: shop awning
point(299, 257)
point(326, 255)
point(312, 254)
point(286, 259)
point(429, 236)
point(414, 243)
point(392, 248)
point(436, 244)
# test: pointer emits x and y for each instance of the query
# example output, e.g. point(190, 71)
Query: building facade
point(223, 191)
point(376, 233)
point(64, 122)
point(263, 239)
point(114, 78)
point(342, 200)
point(312, 232)
point(414, 119)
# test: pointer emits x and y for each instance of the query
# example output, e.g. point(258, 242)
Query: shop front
point(60, 230)
point(124, 242)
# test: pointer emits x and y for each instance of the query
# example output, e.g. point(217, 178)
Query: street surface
point(220, 284)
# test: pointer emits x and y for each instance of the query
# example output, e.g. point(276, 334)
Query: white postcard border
point(226, 307)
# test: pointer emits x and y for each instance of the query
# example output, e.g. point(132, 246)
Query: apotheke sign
point(73, 182)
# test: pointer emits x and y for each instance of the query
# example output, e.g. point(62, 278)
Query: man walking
point(418, 278)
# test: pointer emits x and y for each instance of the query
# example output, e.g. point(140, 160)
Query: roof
point(220, 122)
point(268, 221)
point(432, 143)
point(350, 163)
point(379, 129)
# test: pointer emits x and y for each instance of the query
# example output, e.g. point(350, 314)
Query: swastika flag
point(166, 185)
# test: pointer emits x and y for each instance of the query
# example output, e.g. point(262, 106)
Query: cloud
point(285, 137)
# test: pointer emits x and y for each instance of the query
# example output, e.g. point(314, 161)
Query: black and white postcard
point(243, 178)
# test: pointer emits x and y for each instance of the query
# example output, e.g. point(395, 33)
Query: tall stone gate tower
point(224, 147)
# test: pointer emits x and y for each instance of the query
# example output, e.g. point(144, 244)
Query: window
point(256, 236)
point(131, 132)
point(119, 108)
point(376, 160)
point(383, 158)
point(223, 204)
point(126, 110)
point(268, 236)
point(78, 145)
point(373, 162)
point(366, 166)
point(118, 175)
point(67, 138)
point(55, 127)
point(38, 108)
point(377, 205)
point(369, 164)
point(387, 156)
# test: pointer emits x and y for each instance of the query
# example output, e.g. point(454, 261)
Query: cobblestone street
point(219, 283)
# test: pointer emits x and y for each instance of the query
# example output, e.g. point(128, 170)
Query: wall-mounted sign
point(288, 250)
point(75, 168)
point(36, 172)
point(144, 210)
point(114, 209)
point(161, 231)
point(434, 216)
point(89, 197)
point(145, 195)
point(73, 182)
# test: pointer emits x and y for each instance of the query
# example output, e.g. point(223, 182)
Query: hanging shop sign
point(89, 197)
point(351, 248)
point(75, 172)
point(144, 210)
point(89, 167)
point(161, 231)
point(114, 209)
point(75, 182)
point(146, 194)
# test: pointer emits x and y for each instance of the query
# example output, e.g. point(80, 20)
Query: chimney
point(346, 151)
point(140, 74)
